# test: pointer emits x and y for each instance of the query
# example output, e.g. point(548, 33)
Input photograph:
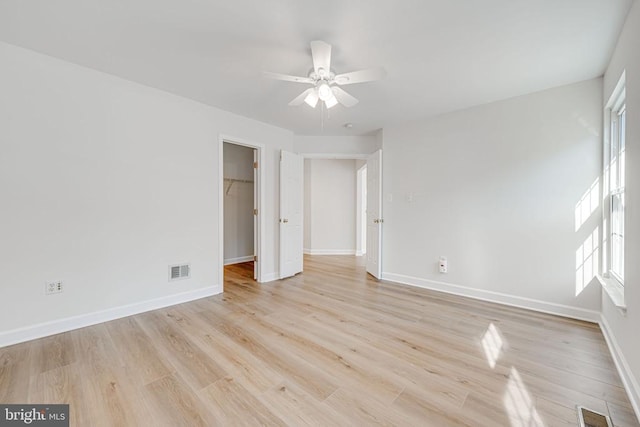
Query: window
point(615, 174)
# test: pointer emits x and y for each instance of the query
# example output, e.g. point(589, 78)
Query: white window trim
point(610, 283)
point(615, 290)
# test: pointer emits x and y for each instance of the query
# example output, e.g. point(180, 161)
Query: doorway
point(239, 205)
point(240, 201)
point(334, 205)
point(351, 192)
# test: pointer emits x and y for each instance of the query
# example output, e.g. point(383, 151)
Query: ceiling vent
point(177, 272)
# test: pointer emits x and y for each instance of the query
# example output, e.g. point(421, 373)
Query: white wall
point(624, 327)
point(331, 201)
point(494, 189)
point(104, 184)
point(341, 145)
point(238, 203)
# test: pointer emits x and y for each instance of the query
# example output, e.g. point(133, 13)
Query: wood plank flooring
point(329, 347)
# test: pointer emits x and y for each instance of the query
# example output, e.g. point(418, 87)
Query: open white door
point(291, 205)
point(256, 223)
point(374, 214)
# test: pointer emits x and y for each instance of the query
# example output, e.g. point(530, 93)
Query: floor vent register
point(589, 418)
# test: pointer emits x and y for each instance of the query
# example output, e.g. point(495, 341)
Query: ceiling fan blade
point(343, 97)
point(321, 54)
point(361, 76)
point(287, 78)
point(300, 98)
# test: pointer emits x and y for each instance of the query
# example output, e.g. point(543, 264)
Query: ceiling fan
point(325, 82)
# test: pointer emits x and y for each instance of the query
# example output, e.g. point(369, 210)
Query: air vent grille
point(589, 418)
point(177, 272)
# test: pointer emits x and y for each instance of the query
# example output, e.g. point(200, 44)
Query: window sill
point(615, 291)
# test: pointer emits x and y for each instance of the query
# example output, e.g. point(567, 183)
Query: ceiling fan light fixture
point(312, 99)
point(324, 91)
point(331, 101)
point(326, 84)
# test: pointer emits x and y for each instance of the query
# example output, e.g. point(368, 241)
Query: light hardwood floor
point(329, 347)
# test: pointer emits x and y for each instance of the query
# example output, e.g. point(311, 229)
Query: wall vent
point(177, 272)
point(589, 418)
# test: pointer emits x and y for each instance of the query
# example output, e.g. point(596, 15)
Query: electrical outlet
point(53, 287)
point(443, 265)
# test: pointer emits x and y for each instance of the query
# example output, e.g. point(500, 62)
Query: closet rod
point(232, 180)
point(238, 180)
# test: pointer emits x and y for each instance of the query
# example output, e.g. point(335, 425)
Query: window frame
point(614, 148)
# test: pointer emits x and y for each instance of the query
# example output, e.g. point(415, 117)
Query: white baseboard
point(330, 251)
point(238, 260)
point(360, 253)
point(506, 299)
point(306, 251)
point(40, 330)
point(628, 380)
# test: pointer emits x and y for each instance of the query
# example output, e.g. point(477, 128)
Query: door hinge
point(255, 165)
point(255, 258)
point(255, 211)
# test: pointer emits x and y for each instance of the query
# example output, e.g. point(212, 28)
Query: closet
point(239, 202)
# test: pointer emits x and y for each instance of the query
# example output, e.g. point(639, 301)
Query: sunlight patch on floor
point(519, 404)
point(492, 344)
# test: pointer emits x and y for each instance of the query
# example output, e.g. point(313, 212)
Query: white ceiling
point(440, 55)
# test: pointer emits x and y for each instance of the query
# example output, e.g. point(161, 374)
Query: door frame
point(341, 156)
point(259, 188)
